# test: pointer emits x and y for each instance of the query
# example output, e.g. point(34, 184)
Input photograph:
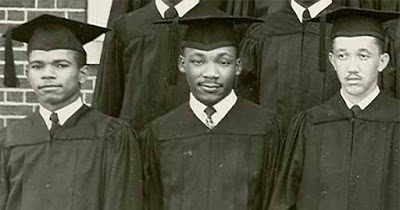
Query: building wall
point(16, 103)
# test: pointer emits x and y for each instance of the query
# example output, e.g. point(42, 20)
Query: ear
point(331, 59)
point(238, 67)
point(383, 61)
point(83, 74)
point(181, 64)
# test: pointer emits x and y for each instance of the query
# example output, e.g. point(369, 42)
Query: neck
point(56, 106)
point(171, 2)
point(356, 99)
point(306, 3)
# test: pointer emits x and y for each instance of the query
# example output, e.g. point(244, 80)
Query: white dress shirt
point(63, 114)
point(363, 103)
point(222, 108)
point(314, 9)
point(182, 7)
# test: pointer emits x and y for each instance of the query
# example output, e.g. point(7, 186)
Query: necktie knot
point(170, 13)
point(356, 110)
point(306, 15)
point(209, 111)
point(54, 118)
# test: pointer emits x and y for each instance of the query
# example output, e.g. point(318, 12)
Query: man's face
point(357, 62)
point(55, 77)
point(210, 74)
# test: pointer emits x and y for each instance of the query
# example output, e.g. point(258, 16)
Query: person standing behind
point(283, 69)
point(138, 78)
point(66, 155)
point(344, 153)
point(216, 151)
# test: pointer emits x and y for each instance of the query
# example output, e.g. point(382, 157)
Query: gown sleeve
point(109, 89)
point(250, 52)
point(123, 181)
point(152, 180)
point(272, 156)
point(288, 181)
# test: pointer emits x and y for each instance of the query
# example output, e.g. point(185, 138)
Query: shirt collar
point(182, 7)
point(222, 107)
point(363, 103)
point(314, 9)
point(63, 114)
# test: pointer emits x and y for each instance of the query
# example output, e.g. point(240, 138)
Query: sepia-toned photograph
point(199, 104)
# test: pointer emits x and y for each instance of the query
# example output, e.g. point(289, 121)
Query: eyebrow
point(54, 61)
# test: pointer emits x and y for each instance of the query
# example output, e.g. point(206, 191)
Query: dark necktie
point(209, 112)
point(356, 110)
point(170, 13)
point(55, 123)
point(306, 15)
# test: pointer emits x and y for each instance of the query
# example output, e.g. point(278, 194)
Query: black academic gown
point(188, 166)
point(138, 78)
point(92, 163)
point(281, 69)
point(336, 161)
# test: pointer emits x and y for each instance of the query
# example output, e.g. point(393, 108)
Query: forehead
point(355, 42)
point(229, 50)
point(51, 55)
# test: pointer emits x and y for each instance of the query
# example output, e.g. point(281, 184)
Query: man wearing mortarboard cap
point(216, 151)
point(344, 153)
point(65, 155)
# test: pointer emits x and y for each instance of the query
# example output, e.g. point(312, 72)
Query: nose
point(353, 66)
point(48, 72)
point(211, 71)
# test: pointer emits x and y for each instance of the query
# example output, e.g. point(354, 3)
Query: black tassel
point(10, 77)
point(173, 53)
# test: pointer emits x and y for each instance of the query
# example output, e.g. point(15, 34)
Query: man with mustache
point(216, 151)
point(344, 153)
point(66, 155)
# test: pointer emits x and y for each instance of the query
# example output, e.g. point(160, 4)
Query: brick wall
point(16, 103)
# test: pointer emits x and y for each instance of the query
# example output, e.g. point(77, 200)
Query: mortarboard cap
point(210, 28)
point(359, 22)
point(48, 32)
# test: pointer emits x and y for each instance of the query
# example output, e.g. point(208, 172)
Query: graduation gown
point(281, 69)
point(188, 166)
point(138, 78)
point(336, 161)
point(92, 162)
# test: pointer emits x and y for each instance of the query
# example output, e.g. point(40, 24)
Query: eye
point(35, 66)
point(225, 62)
point(197, 62)
point(61, 65)
point(342, 56)
point(364, 56)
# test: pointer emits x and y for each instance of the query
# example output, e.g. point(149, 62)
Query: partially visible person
point(283, 69)
point(344, 153)
point(66, 155)
point(138, 78)
point(216, 151)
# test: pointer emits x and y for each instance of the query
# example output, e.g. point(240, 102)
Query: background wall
point(16, 103)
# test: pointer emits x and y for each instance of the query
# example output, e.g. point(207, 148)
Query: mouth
point(49, 86)
point(210, 86)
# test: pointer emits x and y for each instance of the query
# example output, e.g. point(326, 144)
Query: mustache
point(353, 77)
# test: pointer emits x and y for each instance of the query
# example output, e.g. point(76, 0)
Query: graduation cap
point(210, 28)
point(350, 22)
point(48, 32)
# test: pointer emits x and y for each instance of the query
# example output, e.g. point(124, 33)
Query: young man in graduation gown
point(216, 151)
point(344, 153)
point(282, 69)
point(138, 79)
point(66, 155)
